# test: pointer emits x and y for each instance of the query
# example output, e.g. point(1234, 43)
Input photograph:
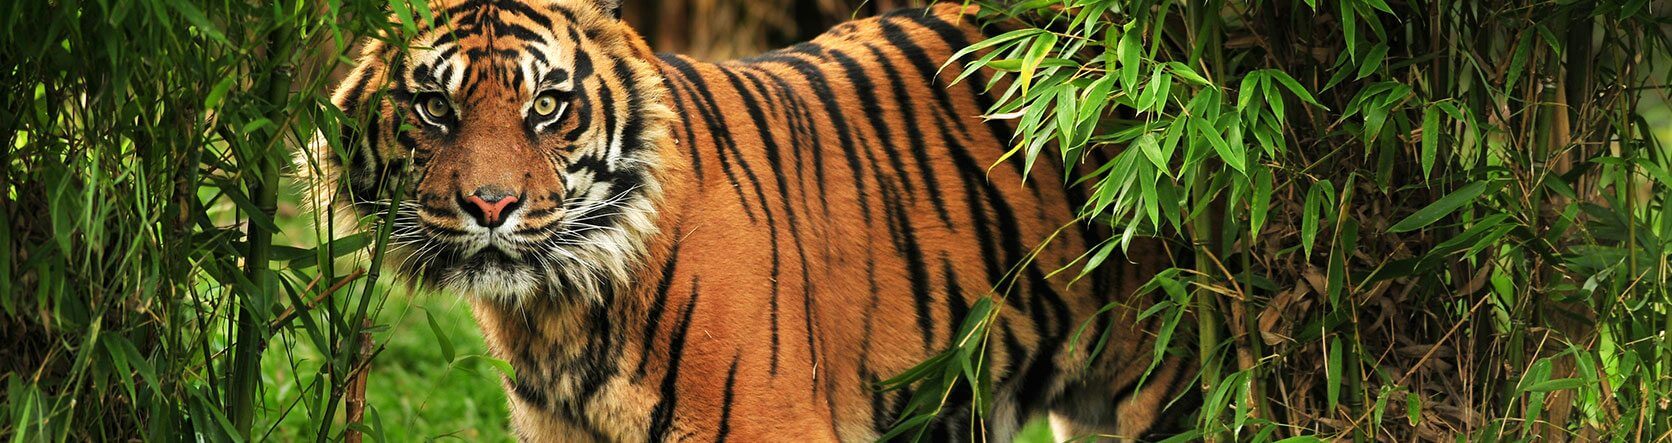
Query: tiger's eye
point(437, 106)
point(545, 105)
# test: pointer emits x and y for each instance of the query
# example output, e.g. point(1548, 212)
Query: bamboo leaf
point(1234, 156)
point(1559, 384)
point(1260, 200)
point(195, 16)
point(1349, 28)
point(992, 43)
point(1041, 47)
point(1245, 91)
point(1293, 86)
point(1372, 60)
point(1332, 373)
point(1430, 138)
point(1190, 75)
point(1128, 50)
point(1443, 207)
point(213, 100)
point(1316, 202)
point(1518, 63)
point(445, 344)
point(1413, 408)
point(404, 13)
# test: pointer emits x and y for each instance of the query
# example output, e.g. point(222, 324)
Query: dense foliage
point(141, 150)
point(1409, 220)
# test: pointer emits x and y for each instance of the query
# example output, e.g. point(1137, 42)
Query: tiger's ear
point(611, 7)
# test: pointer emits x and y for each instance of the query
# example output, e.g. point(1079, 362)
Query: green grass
point(413, 391)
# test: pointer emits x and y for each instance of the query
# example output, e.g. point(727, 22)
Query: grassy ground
point(414, 392)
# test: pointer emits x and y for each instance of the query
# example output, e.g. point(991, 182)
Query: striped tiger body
point(668, 249)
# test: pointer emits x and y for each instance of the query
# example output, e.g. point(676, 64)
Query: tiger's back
point(861, 177)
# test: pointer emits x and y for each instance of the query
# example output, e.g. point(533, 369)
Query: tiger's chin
point(563, 274)
point(490, 274)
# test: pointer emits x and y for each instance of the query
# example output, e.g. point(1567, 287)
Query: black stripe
point(833, 113)
point(529, 394)
point(914, 133)
point(872, 109)
point(953, 36)
point(657, 305)
point(726, 404)
point(956, 307)
point(606, 104)
point(690, 140)
point(906, 244)
point(808, 139)
point(661, 416)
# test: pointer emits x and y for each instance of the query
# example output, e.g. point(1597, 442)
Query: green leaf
point(1130, 46)
point(1293, 86)
point(1380, 5)
point(1332, 373)
point(1275, 102)
point(1372, 60)
point(213, 100)
point(1151, 96)
point(1316, 202)
point(1183, 71)
point(502, 366)
point(1349, 28)
point(1234, 156)
point(1152, 151)
point(1430, 138)
point(1555, 385)
point(195, 16)
point(1413, 408)
point(991, 42)
point(1518, 63)
point(1550, 39)
point(1041, 47)
point(405, 14)
point(1443, 207)
point(422, 9)
point(1261, 200)
point(441, 339)
point(1245, 90)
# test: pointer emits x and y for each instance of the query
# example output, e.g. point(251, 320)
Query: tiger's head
point(515, 141)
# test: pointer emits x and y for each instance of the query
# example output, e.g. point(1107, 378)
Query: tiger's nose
point(490, 205)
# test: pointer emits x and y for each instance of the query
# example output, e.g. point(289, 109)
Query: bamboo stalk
point(264, 187)
point(356, 401)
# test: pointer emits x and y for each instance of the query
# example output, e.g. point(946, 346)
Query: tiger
point(665, 248)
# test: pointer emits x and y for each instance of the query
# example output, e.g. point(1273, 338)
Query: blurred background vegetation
point(1417, 219)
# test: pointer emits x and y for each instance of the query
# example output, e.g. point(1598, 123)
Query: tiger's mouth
point(477, 261)
point(487, 259)
point(489, 271)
